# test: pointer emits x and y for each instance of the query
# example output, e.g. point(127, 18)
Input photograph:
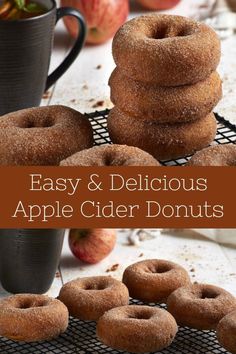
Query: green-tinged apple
point(158, 4)
point(92, 245)
point(103, 18)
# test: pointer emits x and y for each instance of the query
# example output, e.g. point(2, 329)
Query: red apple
point(103, 18)
point(158, 4)
point(92, 245)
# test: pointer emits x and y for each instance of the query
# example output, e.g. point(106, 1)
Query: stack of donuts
point(165, 85)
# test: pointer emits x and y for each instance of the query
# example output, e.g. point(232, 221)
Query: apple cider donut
point(32, 318)
point(166, 50)
point(165, 104)
point(111, 155)
point(163, 141)
point(218, 155)
point(137, 329)
point(226, 332)
point(88, 298)
point(200, 306)
point(43, 135)
point(154, 280)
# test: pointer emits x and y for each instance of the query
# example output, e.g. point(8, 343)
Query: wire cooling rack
point(80, 338)
point(226, 133)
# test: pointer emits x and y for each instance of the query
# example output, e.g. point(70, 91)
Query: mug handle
point(57, 73)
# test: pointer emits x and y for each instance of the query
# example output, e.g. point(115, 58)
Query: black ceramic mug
point(25, 51)
point(29, 259)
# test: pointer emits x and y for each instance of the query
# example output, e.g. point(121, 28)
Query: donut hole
point(92, 286)
point(112, 160)
point(158, 268)
point(208, 294)
point(24, 305)
point(28, 303)
point(108, 161)
point(160, 33)
point(47, 123)
point(40, 123)
point(170, 32)
point(141, 316)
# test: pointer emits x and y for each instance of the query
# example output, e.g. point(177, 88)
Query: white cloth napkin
point(197, 9)
point(226, 236)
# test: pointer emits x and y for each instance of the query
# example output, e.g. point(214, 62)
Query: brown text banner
point(123, 197)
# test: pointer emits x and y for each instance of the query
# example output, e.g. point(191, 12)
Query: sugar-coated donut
point(200, 306)
point(31, 318)
point(218, 155)
point(166, 50)
point(137, 329)
point(43, 135)
point(226, 332)
point(163, 141)
point(153, 280)
point(165, 104)
point(111, 155)
point(88, 298)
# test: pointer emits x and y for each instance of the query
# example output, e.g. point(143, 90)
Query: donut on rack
point(226, 332)
point(31, 318)
point(111, 155)
point(89, 298)
point(166, 50)
point(43, 135)
point(200, 306)
point(163, 141)
point(137, 329)
point(218, 155)
point(153, 280)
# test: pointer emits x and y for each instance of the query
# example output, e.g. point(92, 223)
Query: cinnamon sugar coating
point(165, 104)
point(200, 306)
point(226, 332)
point(111, 155)
point(218, 155)
point(137, 329)
point(43, 135)
point(154, 280)
point(31, 318)
point(166, 50)
point(163, 141)
point(89, 298)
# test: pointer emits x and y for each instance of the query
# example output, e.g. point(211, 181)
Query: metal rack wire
point(80, 338)
point(226, 133)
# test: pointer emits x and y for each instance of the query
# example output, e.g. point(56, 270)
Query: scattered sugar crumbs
point(46, 95)
point(113, 268)
point(98, 104)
